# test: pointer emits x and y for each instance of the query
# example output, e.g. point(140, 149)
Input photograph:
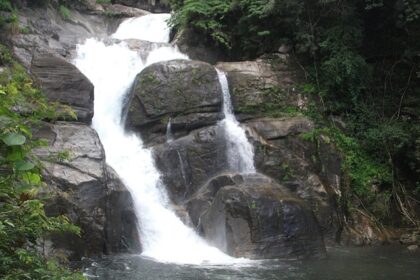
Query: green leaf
point(23, 165)
point(14, 139)
point(32, 178)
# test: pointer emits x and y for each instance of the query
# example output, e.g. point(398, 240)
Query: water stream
point(240, 153)
point(112, 69)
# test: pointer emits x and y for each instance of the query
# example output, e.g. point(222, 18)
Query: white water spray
point(112, 69)
point(240, 153)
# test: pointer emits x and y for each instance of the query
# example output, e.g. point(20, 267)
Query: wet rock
point(256, 84)
point(121, 229)
point(362, 230)
point(252, 216)
point(81, 186)
point(62, 82)
point(188, 162)
point(409, 238)
point(311, 171)
point(188, 92)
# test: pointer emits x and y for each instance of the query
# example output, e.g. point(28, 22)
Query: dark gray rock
point(62, 82)
point(188, 162)
point(252, 216)
point(310, 170)
point(82, 187)
point(121, 229)
point(188, 92)
point(191, 43)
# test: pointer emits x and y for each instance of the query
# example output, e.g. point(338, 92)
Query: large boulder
point(62, 82)
point(187, 93)
point(252, 216)
point(188, 162)
point(191, 43)
point(310, 170)
point(82, 187)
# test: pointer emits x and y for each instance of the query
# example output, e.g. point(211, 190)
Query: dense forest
point(361, 60)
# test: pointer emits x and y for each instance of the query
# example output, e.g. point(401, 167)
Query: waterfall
point(112, 69)
point(240, 153)
point(169, 136)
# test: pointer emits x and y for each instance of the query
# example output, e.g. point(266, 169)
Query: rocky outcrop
point(43, 28)
point(185, 92)
point(256, 86)
point(81, 186)
point(191, 43)
point(62, 82)
point(252, 216)
point(310, 170)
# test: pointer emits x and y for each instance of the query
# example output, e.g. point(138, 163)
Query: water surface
point(342, 264)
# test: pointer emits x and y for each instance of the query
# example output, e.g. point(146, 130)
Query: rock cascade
point(197, 153)
point(283, 215)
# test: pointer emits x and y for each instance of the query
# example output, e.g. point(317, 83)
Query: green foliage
point(5, 5)
point(243, 28)
point(103, 1)
point(64, 12)
point(363, 170)
point(23, 221)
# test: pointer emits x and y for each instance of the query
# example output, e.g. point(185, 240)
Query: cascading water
point(169, 136)
point(112, 69)
point(240, 153)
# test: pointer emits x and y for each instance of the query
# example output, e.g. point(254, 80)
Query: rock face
point(62, 82)
point(310, 170)
point(188, 162)
point(196, 49)
point(256, 85)
point(252, 216)
point(82, 188)
point(45, 29)
point(186, 92)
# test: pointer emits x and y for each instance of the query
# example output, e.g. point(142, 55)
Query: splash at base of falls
point(112, 69)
